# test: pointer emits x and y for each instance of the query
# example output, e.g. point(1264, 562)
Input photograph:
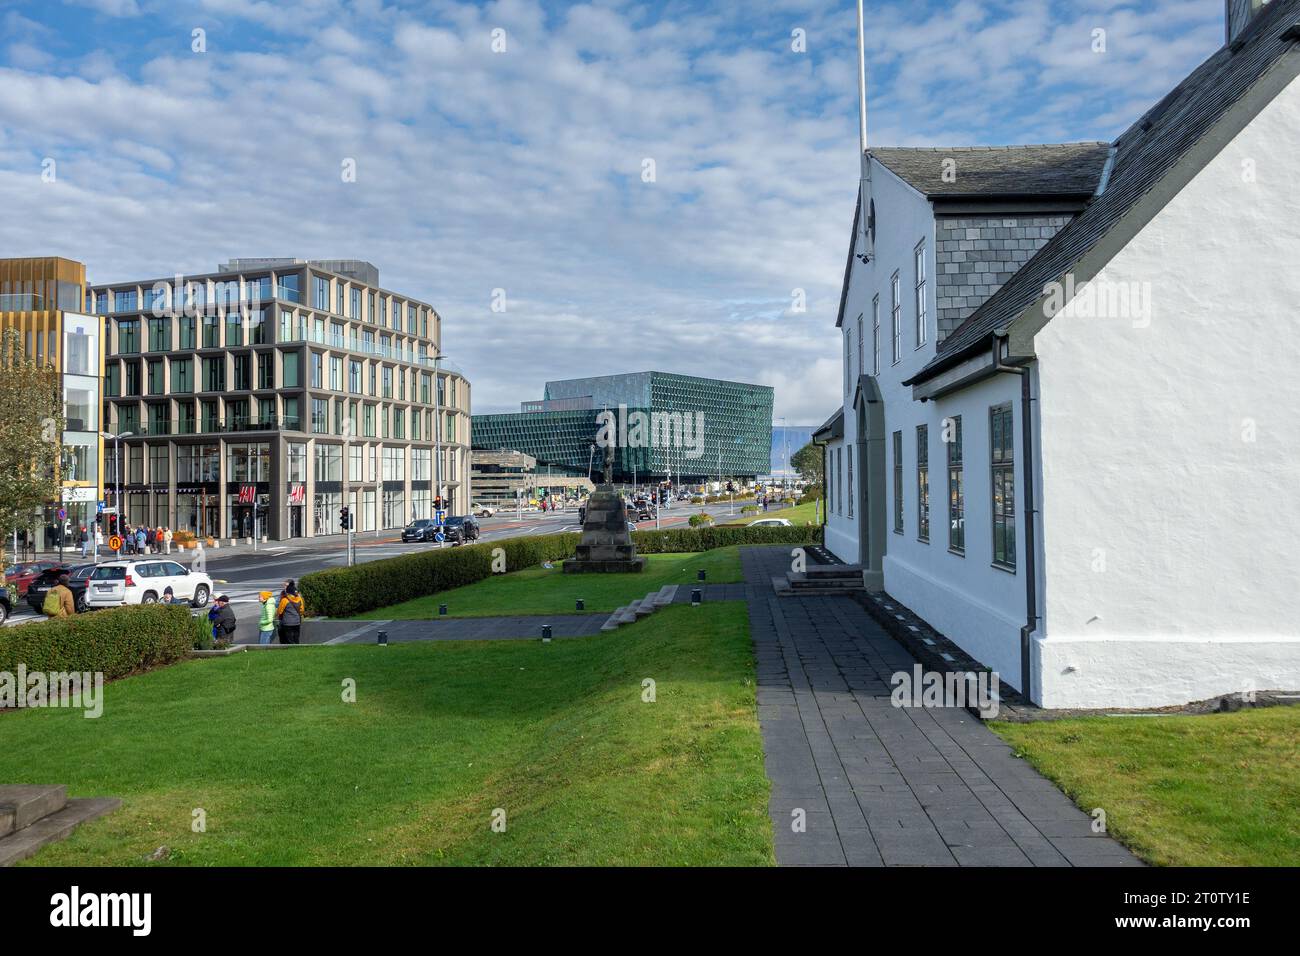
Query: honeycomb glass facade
point(667, 425)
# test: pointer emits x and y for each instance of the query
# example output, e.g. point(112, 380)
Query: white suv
point(143, 582)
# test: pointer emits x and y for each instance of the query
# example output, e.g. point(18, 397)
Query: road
point(242, 573)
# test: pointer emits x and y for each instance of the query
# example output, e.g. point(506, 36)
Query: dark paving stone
point(883, 785)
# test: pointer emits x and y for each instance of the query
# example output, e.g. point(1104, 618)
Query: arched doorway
point(869, 414)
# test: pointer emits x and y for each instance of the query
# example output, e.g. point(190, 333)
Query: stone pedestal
point(606, 545)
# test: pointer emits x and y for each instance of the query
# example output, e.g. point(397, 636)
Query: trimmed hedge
point(682, 540)
point(342, 592)
point(115, 642)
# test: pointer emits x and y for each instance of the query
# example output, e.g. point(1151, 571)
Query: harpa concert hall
point(664, 426)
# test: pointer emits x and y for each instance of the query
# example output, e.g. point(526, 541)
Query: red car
point(22, 575)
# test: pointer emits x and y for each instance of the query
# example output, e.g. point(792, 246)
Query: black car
point(461, 529)
point(78, 578)
point(422, 529)
point(6, 608)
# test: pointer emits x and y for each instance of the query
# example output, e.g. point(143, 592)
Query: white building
point(1113, 321)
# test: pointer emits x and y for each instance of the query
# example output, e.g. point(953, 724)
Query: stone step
point(56, 826)
point(648, 605)
point(667, 594)
point(24, 804)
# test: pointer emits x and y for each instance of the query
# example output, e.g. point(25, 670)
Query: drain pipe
point(1031, 571)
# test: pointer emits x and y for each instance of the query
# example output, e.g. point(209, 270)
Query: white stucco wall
point(1171, 527)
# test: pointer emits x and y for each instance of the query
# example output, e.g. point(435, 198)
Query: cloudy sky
point(650, 184)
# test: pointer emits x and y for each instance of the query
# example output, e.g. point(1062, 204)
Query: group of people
point(139, 540)
point(283, 612)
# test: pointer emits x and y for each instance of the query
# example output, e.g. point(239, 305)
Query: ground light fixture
point(442, 610)
point(697, 596)
point(546, 633)
point(701, 575)
point(383, 638)
point(580, 605)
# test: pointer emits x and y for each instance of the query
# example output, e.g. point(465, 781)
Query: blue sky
point(522, 170)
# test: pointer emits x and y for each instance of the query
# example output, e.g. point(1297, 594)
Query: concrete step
point(56, 826)
point(667, 594)
point(24, 804)
point(648, 605)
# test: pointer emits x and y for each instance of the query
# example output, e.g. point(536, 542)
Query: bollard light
point(701, 575)
point(581, 605)
point(442, 610)
point(546, 633)
point(697, 596)
point(383, 638)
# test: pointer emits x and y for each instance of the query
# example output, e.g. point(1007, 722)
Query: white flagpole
point(864, 193)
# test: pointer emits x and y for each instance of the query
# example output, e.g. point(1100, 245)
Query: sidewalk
point(880, 785)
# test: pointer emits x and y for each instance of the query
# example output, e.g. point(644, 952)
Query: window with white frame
point(862, 369)
point(921, 321)
point(875, 336)
point(896, 316)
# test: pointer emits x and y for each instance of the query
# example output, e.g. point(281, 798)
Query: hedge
point(679, 540)
point(343, 592)
point(115, 642)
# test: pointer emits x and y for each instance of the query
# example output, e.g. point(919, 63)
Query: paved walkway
point(884, 786)
point(444, 629)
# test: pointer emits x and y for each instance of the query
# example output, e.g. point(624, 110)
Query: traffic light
point(345, 519)
point(437, 503)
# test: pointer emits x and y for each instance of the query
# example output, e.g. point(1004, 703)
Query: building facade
point(42, 298)
point(501, 478)
point(1060, 366)
point(664, 427)
point(262, 398)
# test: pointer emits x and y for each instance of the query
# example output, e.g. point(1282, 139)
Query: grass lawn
point(799, 514)
point(441, 735)
point(1219, 790)
point(538, 590)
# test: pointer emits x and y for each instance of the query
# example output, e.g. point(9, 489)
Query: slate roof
point(1065, 169)
point(1143, 155)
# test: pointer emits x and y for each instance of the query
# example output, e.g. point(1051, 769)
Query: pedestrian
point(169, 596)
point(140, 539)
point(224, 623)
point(99, 541)
point(266, 625)
point(84, 540)
point(58, 601)
point(290, 613)
point(167, 539)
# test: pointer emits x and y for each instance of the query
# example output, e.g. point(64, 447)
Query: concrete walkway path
point(877, 785)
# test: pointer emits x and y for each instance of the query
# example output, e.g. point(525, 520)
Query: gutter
point(1031, 570)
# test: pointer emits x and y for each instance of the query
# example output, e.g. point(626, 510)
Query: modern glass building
point(665, 426)
point(42, 299)
point(263, 397)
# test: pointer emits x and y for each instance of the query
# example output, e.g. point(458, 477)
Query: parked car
point(6, 608)
point(422, 529)
point(78, 578)
point(482, 511)
point(645, 511)
point(23, 574)
point(143, 582)
point(461, 529)
point(771, 523)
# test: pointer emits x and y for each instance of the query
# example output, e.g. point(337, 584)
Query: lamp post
point(117, 476)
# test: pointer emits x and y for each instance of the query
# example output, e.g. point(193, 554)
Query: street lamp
point(117, 476)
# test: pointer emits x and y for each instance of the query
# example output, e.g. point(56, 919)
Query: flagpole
point(864, 194)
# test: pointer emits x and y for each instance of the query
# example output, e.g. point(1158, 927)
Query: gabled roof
point(831, 429)
point(1144, 154)
point(987, 172)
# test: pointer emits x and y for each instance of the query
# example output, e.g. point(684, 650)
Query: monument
point(606, 546)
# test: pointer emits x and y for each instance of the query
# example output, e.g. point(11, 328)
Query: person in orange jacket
point(289, 613)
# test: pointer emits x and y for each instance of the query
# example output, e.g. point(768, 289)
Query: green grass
point(441, 735)
point(550, 591)
point(1218, 790)
point(799, 514)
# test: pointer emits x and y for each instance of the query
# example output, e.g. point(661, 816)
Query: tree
point(31, 436)
point(810, 462)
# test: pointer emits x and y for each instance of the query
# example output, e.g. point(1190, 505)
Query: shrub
point(811, 494)
point(749, 510)
point(681, 540)
point(700, 520)
point(115, 642)
point(340, 592)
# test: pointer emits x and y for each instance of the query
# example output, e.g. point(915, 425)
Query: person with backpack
point(140, 540)
point(266, 625)
point(59, 601)
point(290, 613)
point(223, 621)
